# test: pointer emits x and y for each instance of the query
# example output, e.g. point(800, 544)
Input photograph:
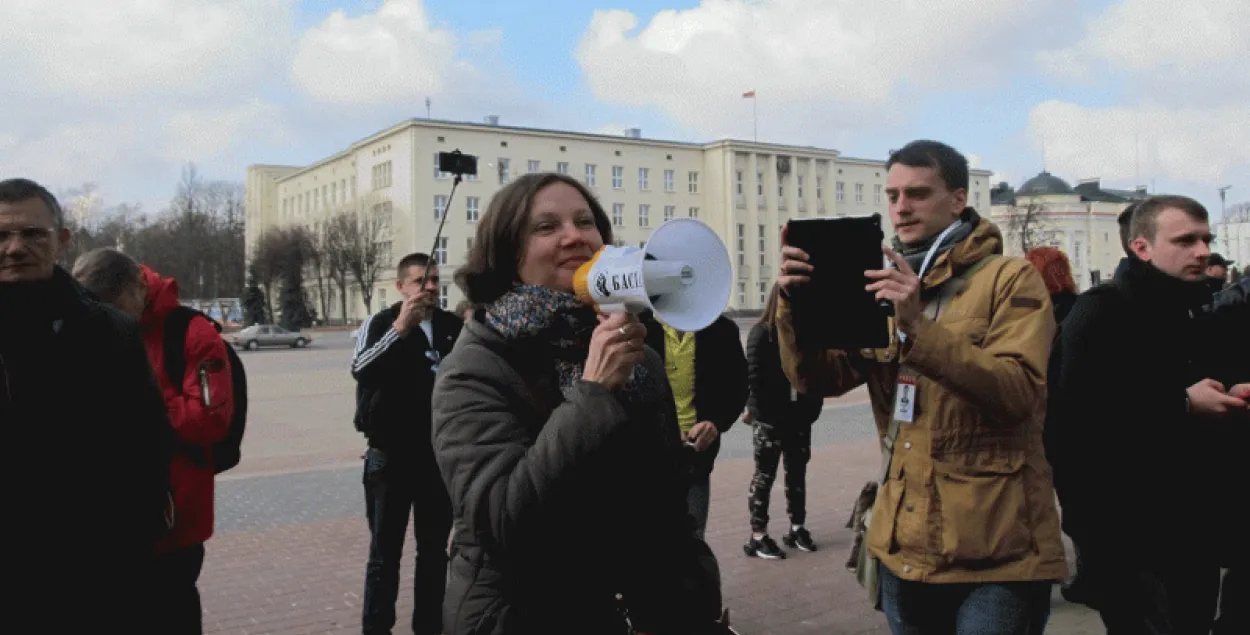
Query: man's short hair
point(106, 272)
point(416, 259)
point(18, 190)
point(1146, 217)
point(1125, 220)
point(949, 163)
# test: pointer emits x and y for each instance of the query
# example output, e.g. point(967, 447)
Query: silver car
point(258, 335)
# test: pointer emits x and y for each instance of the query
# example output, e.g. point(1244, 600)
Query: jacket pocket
point(983, 512)
point(884, 515)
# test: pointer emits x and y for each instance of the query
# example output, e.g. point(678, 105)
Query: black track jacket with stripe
point(395, 378)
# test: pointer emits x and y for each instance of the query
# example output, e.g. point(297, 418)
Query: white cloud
point(815, 64)
point(196, 134)
point(1200, 145)
point(393, 54)
point(1143, 35)
point(127, 48)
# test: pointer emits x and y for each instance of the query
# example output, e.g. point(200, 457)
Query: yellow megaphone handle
point(581, 280)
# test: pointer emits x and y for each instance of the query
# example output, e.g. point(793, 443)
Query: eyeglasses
point(27, 235)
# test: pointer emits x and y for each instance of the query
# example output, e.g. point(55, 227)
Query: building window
point(382, 175)
point(382, 214)
point(618, 177)
point(742, 244)
point(590, 175)
point(471, 204)
point(504, 171)
point(839, 191)
point(694, 212)
point(618, 214)
point(440, 252)
point(669, 212)
point(343, 191)
point(534, 167)
point(859, 192)
point(334, 193)
point(763, 246)
point(642, 244)
point(798, 180)
point(440, 206)
point(976, 197)
point(763, 293)
point(644, 215)
point(443, 291)
point(738, 181)
point(781, 189)
point(384, 253)
point(644, 179)
point(742, 294)
point(693, 188)
point(439, 174)
point(759, 183)
point(381, 296)
point(876, 194)
point(562, 167)
point(668, 181)
point(820, 189)
point(468, 245)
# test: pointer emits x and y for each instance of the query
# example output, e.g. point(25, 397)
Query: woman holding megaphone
point(553, 430)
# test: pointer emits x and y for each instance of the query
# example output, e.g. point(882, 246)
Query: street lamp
point(1224, 215)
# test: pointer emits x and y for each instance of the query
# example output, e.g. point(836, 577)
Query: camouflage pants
point(772, 443)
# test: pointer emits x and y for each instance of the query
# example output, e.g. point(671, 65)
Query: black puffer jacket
point(561, 504)
point(770, 390)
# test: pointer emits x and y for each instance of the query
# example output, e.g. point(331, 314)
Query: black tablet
point(833, 310)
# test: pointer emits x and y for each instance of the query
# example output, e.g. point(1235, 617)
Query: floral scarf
point(565, 323)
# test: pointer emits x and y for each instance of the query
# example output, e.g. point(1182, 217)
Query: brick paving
point(289, 554)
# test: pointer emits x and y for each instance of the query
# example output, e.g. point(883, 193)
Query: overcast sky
point(122, 93)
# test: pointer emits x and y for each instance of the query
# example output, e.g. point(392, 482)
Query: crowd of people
point(566, 456)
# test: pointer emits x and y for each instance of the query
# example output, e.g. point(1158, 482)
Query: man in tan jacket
point(965, 524)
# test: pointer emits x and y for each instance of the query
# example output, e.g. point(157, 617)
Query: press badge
point(905, 399)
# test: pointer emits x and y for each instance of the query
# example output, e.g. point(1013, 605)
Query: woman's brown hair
point(491, 268)
point(1054, 267)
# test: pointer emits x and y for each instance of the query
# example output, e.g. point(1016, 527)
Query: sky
point(123, 94)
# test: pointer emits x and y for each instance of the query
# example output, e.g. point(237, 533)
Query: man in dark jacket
point(397, 356)
point(87, 432)
point(708, 375)
point(1135, 408)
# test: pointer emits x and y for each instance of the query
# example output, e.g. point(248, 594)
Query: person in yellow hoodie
point(965, 524)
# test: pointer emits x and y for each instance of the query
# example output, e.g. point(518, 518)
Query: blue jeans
point(991, 608)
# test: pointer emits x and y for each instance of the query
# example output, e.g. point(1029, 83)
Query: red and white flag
point(749, 94)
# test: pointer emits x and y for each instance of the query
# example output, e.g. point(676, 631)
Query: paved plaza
point(289, 551)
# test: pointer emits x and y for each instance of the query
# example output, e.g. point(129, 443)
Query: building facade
point(745, 191)
point(1080, 221)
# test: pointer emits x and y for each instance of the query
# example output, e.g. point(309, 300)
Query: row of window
point(644, 214)
point(503, 166)
point(742, 293)
point(329, 194)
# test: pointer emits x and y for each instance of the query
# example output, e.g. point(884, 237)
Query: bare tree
point(368, 249)
point(1029, 226)
point(338, 231)
point(318, 258)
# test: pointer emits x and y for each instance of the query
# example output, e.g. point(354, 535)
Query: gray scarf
point(914, 253)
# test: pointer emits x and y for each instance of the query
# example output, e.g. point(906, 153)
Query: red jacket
point(193, 422)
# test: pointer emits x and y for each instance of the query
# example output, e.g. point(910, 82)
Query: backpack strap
point(177, 323)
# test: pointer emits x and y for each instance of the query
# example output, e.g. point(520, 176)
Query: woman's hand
point(615, 348)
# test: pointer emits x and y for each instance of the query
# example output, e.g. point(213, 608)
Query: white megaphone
point(683, 276)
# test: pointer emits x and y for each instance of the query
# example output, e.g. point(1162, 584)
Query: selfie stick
point(438, 234)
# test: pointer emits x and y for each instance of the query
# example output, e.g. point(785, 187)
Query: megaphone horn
point(683, 276)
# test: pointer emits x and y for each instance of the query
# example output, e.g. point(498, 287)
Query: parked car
point(258, 335)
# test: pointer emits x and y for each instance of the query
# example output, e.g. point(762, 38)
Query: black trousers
point(773, 444)
point(1234, 603)
point(175, 601)
point(394, 488)
point(1141, 598)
